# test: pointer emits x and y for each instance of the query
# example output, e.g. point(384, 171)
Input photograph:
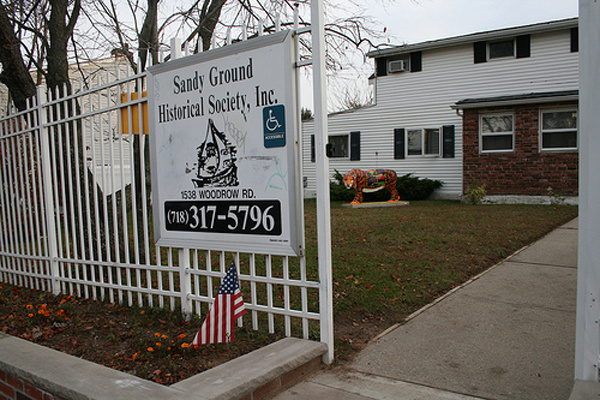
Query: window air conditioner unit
point(397, 66)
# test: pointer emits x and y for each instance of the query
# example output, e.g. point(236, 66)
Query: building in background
point(107, 145)
point(496, 108)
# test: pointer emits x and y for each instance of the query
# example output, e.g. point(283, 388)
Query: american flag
point(228, 306)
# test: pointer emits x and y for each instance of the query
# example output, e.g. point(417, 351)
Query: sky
point(421, 20)
point(414, 21)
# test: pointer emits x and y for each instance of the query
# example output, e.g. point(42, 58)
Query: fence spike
point(296, 17)
point(175, 48)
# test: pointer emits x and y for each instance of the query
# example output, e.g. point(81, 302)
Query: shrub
point(409, 187)
point(413, 188)
point(475, 194)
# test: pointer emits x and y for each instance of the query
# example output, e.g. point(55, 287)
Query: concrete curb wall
point(31, 371)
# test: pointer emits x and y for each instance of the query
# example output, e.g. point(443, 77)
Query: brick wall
point(526, 171)
point(15, 389)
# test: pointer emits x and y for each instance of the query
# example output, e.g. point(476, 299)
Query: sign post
point(223, 137)
point(587, 339)
point(322, 177)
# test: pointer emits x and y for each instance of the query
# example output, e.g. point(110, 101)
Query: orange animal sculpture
point(371, 181)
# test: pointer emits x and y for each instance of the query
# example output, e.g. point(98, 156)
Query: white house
point(422, 91)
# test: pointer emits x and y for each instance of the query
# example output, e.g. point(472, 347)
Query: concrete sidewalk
point(508, 334)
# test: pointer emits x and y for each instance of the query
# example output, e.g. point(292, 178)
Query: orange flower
point(181, 336)
point(150, 349)
point(163, 336)
point(157, 344)
point(157, 334)
point(133, 356)
point(185, 345)
point(43, 306)
point(30, 315)
point(63, 301)
point(28, 306)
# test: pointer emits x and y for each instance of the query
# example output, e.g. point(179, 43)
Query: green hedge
point(409, 187)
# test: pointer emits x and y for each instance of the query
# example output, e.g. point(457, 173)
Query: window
point(423, 141)
point(505, 48)
point(432, 142)
point(518, 47)
point(412, 62)
point(497, 133)
point(559, 130)
point(339, 146)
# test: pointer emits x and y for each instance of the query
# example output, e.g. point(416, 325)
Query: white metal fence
point(75, 216)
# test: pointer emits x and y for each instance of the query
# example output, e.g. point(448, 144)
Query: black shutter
point(355, 146)
point(480, 52)
point(574, 40)
point(448, 141)
point(415, 61)
point(523, 46)
point(382, 66)
point(313, 157)
point(398, 143)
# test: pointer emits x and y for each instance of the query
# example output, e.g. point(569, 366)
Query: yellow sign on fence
point(125, 115)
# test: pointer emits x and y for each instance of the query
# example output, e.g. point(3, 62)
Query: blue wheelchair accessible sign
point(274, 126)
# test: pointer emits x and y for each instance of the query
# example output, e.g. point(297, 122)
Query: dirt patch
point(150, 343)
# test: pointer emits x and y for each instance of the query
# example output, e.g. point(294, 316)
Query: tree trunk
point(14, 72)
point(60, 31)
point(148, 37)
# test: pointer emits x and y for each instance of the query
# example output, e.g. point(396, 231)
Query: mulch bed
point(147, 342)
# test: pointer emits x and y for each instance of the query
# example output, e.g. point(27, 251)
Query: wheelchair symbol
point(271, 123)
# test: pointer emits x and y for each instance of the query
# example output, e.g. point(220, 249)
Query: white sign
point(224, 145)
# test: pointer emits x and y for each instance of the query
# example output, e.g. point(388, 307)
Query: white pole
point(322, 178)
point(587, 339)
point(184, 254)
point(47, 182)
point(185, 283)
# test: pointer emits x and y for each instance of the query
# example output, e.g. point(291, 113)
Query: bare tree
point(15, 72)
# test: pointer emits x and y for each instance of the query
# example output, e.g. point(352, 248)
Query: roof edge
point(511, 100)
point(478, 36)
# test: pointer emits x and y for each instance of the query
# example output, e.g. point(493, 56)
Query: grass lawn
point(387, 263)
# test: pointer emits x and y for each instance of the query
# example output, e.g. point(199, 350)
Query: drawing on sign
point(216, 160)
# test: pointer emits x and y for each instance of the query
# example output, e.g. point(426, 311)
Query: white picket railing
point(75, 216)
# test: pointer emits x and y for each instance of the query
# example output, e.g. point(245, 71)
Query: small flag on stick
point(228, 306)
